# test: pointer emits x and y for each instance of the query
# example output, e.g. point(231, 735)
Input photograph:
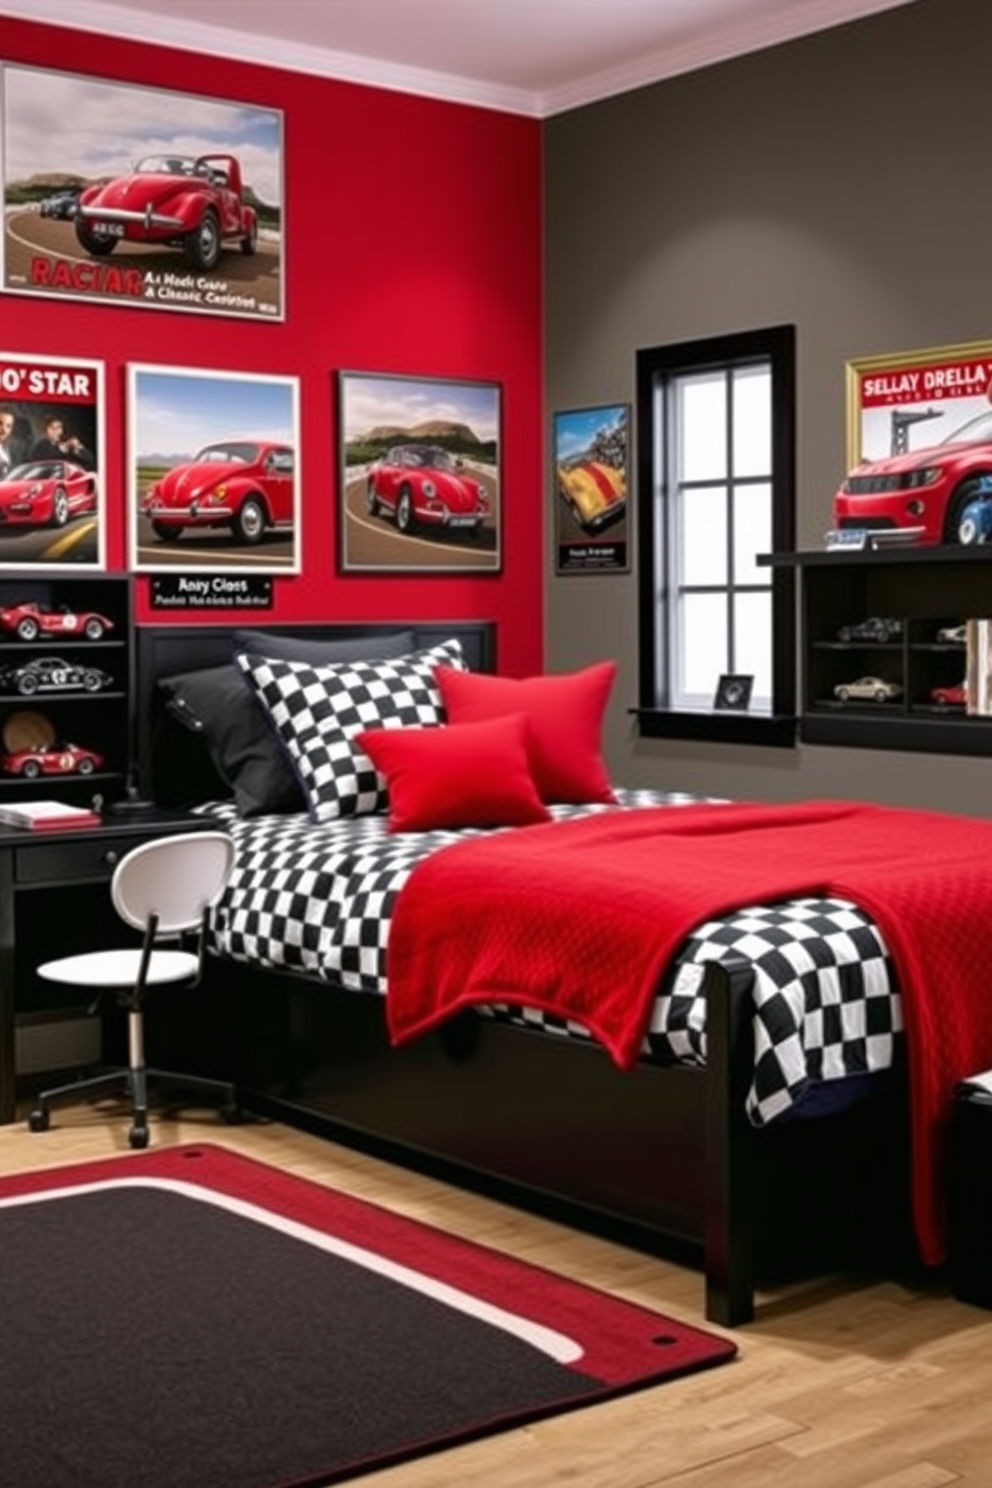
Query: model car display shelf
point(65, 658)
point(927, 590)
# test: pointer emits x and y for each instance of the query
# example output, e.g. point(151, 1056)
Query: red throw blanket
point(581, 918)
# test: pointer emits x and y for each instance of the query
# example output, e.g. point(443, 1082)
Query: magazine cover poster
point(52, 485)
point(140, 196)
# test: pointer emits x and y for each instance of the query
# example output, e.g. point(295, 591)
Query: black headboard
point(175, 768)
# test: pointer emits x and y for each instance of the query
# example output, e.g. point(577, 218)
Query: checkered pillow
point(317, 710)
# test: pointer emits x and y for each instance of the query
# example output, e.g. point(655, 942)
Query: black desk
point(33, 861)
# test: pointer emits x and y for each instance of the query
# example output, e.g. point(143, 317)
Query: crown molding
point(758, 31)
point(270, 51)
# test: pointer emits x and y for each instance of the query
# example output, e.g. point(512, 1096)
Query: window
point(716, 485)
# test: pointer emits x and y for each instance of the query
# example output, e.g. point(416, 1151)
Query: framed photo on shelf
point(591, 479)
point(126, 195)
point(733, 691)
point(928, 416)
point(420, 487)
point(213, 473)
point(53, 495)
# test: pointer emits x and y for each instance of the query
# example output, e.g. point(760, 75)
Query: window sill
point(725, 726)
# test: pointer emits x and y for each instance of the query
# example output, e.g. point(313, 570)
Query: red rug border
point(620, 1339)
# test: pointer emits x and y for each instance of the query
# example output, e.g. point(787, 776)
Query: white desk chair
point(165, 888)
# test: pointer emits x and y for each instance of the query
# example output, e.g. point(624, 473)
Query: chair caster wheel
point(39, 1120)
point(138, 1136)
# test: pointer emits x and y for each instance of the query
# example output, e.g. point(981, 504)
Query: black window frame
point(777, 346)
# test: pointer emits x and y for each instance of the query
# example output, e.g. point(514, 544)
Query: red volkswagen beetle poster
point(140, 196)
point(420, 474)
point(213, 472)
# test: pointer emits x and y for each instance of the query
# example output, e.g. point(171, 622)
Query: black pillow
point(316, 652)
point(217, 703)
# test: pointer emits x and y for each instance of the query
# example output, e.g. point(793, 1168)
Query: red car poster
point(919, 447)
point(140, 196)
point(420, 474)
point(214, 477)
point(52, 496)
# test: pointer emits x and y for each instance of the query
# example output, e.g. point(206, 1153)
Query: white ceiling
point(536, 57)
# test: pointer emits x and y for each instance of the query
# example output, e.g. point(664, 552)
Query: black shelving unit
point(927, 590)
point(98, 720)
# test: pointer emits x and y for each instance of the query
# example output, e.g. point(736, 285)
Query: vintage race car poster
point(140, 196)
point(213, 473)
point(52, 483)
point(420, 474)
point(591, 481)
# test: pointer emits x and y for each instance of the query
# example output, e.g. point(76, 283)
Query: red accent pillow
point(564, 712)
point(463, 775)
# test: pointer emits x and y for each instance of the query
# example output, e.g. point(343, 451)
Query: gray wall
point(842, 183)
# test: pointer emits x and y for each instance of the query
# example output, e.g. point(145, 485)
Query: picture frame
point(202, 232)
point(420, 478)
point(52, 463)
point(214, 483)
point(895, 401)
point(733, 692)
point(591, 463)
point(928, 416)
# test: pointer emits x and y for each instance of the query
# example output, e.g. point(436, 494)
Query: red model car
point(424, 484)
point(926, 489)
point(30, 621)
point(194, 203)
point(46, 493)
point(241, 484)
point(956, 695)
point(51, 759)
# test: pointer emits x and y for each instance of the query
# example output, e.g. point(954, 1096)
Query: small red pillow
point(464, 775)
point(564, 713)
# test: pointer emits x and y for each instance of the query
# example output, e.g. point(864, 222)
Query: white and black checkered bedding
point(318, 899)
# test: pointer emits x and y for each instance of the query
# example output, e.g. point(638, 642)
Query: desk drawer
point(90, 857)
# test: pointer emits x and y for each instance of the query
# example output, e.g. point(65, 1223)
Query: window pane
point(702, 642)
point(753, 643)
point(752, 533)
point(752, 421)
point(702, 426)
point(720, 500)
point(703, 533)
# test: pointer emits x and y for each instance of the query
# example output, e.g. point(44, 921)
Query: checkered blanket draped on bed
point(318, 899)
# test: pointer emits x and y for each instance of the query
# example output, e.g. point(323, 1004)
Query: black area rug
point(188, 1318)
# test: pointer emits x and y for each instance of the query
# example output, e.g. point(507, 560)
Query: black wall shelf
point(97, 720)
point(926, 590)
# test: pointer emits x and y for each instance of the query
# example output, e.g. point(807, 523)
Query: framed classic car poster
point(591, 451)
point(919, 448)
point(52, 480)
point(139, 196)
point(420, 487)
point(214, 479)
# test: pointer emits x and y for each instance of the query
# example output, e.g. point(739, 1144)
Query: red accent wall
point(450, 289)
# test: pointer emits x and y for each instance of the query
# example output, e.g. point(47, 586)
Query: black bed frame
point(663, 1157)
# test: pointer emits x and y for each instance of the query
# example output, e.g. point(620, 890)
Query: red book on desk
point(47, 816)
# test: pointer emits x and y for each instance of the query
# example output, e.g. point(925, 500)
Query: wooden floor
point(839, 1384)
